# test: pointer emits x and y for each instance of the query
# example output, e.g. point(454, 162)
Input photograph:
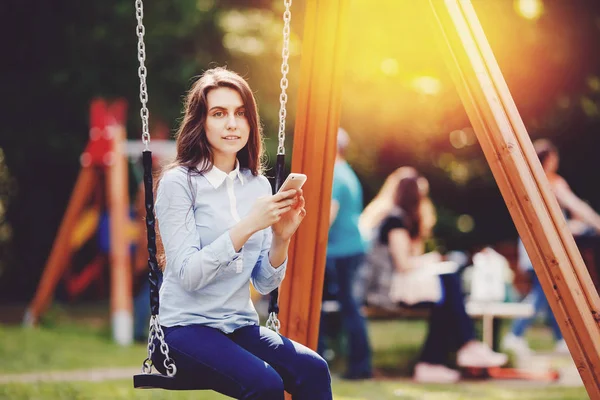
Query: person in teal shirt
point(345, 256)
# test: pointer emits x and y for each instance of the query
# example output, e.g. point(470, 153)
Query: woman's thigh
point(209, 357)
point(302, 369)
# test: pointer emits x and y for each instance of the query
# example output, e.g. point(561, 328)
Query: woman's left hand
point(288, 222)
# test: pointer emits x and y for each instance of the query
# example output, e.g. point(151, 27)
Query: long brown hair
point(381, 205)
point(193, 150)
point(408, 198)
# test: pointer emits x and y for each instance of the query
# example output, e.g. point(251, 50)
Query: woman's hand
point(283, 211)
point(267, 210)
point(289, 221)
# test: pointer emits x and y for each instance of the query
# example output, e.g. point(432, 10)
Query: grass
point(66, 343)
point(64, 347)
point(386, 390)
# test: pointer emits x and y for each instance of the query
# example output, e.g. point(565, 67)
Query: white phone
point(293, 181)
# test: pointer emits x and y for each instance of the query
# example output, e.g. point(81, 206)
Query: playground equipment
point(101, 186)
point(522, 182)
point(506, 146)
point(100, 163)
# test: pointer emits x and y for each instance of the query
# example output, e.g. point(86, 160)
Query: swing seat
point(159, 381)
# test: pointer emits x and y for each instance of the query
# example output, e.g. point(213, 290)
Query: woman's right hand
point(268, 210)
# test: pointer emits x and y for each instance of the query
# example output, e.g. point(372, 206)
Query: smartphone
point(293, 181)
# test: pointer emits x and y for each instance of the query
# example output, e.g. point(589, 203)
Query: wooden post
point(121, 299)
point(317, 119)
point(522, 182)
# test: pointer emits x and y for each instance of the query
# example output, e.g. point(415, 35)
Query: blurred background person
point(420, 278)
point(582, 221)
point(514, 340)
point(345, 256)
point(383, 202)
point(581, 218)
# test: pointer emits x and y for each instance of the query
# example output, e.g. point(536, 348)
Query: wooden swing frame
point(507, 148)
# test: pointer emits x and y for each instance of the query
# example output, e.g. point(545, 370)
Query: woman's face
point(227, 129)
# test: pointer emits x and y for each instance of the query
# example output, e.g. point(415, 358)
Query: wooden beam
point(121, 298)
point(523, 184)
point(317, 120)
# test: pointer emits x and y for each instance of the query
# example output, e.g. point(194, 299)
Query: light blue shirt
point(206, 281)
point(344, 238)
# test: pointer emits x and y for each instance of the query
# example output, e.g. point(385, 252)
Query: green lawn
point(72, 345)
point(386, 390)
point(65, 343)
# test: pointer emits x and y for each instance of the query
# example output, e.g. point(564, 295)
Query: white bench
point(488, 311)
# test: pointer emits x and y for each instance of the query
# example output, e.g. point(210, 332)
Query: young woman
point(221, 229)
point(383, 203)
point(420, 279)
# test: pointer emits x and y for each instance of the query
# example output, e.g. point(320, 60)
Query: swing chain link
point(147, 365)
point(273, 322)
point(157, 332)
point(142, 72)
point(285, 68)
point(164, 348)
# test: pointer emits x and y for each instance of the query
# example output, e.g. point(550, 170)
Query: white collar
point(216, 177)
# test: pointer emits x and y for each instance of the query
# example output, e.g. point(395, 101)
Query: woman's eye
point(241, 113)
point(218, 114)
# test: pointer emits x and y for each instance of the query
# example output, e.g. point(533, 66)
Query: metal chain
point(139, 13)
point(273, 322)
point(164, 348)
point(155, 328)
point(285, 68)
point(147, 365)
point(156, 331)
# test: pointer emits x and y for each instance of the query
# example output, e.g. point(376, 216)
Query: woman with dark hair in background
point(424, 278)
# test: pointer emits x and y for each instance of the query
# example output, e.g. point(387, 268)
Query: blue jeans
point(341, 275)
point(536, 297)
point(252, 363)
point(450, 327)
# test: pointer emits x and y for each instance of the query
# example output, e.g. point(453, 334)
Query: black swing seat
point(159, 381)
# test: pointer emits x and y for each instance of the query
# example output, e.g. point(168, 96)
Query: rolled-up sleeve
point(265, 277)
point(195, 266)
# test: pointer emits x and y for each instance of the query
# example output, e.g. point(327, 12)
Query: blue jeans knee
point(313, 381)
point(270, 387)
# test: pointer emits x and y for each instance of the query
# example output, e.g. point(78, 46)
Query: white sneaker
point(561, 347)
point(516, 344)
point(479, 355)
point(435, 373)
